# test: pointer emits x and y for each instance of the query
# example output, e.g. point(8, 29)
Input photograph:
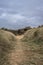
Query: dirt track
point(17, 56)
point(19, 37)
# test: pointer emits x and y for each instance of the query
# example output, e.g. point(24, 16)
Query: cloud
point(21, 13)
point(13, 20)
point(18, 20)
point(12, 17)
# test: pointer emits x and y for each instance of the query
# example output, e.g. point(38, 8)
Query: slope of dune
point(34, 35)
point(32, 43)
point(26, 49)
point(7, 44)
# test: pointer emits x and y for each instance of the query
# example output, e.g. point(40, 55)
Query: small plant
point(36, 33)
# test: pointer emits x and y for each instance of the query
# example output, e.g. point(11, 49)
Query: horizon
point(15, 14)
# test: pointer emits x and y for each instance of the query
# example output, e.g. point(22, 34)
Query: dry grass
point(32, 44)
point(26, 49)
point(7, 44)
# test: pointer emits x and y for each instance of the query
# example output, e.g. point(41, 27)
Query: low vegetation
point(32, 43)
point(17, 32)
point(25, 50)
point(7, 44)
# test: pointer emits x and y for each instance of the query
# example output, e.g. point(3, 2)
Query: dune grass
point(7, 44)
point(31, 46)
point(32, 43)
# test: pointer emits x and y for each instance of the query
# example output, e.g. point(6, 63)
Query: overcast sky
point(21, 13)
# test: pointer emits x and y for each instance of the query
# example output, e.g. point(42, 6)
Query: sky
point(17, 14)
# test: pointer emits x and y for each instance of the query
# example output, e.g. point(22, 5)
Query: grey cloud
point(31, 10)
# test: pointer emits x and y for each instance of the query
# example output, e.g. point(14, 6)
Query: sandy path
point(17, 56)
point(19, 37)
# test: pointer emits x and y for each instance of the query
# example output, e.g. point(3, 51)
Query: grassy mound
point(32, 44)
point(30, 48)
point(7, 44)
point(34, 36)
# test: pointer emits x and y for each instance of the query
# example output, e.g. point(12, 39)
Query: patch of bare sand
point(19, 37)
point(17, 56)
